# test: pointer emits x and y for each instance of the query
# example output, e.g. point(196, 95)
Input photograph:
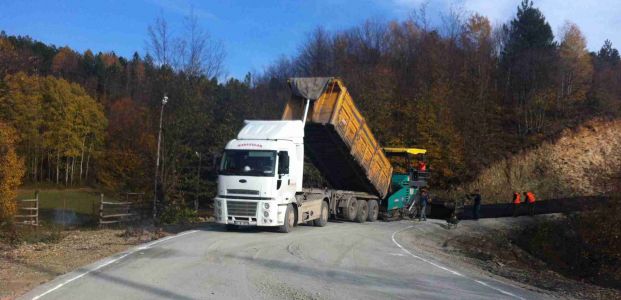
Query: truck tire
point(363, 212)
point(289, 220)
point(323, 218)
point(373, 210)
point(351, 210)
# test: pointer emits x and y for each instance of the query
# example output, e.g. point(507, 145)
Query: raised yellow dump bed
point(337, 138)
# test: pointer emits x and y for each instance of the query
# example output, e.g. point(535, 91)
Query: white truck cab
point(260, 174)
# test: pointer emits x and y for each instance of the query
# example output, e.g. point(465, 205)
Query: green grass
point(82, 201)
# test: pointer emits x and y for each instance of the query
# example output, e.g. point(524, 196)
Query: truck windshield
point(248, 162)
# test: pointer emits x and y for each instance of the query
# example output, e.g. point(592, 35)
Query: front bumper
point(248, 212)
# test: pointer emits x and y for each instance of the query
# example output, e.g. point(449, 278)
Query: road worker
point(422, 166)
point(476, 203)
point(423, 201)
point(530, 200)
point(516, 203)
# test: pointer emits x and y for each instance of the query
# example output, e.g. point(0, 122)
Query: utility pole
point(157, 160)
point(198, 178)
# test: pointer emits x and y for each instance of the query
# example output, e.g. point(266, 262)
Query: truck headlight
point(266, 205)
point(266, 213)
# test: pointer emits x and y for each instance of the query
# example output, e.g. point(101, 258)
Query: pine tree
point(528, 61)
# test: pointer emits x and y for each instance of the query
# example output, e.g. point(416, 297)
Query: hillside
point(581, 162)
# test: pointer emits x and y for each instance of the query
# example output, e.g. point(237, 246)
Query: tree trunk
point(35, 166)
point(66, 170)
point(57, 167)
point(41, 175)
point(82, 158)
point(49, 167)
point(72, 168)
point(88, 159)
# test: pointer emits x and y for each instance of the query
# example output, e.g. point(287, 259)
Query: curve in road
point(340, 261)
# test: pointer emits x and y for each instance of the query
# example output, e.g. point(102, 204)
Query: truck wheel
point(323, 218)
point(373, 211)
point(351, 210)
point(289, 220)
point(363, 212)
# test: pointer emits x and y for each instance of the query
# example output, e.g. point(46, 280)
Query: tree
point(606, 90)
point(528, 61)
point(608, 54)
point(576, 68)
point(55, 120)
point(127, 159)
point(21, 107)
point(9, 58)
point(315, 57)
point(159, 45)
point(195, 53)
point(74, 124)
point(11, 172)
point(66, 63)
point(477, 109)
point(201, 54)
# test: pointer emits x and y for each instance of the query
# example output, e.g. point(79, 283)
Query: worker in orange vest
point(516, 203)
point(422, 166)
point(530, 199)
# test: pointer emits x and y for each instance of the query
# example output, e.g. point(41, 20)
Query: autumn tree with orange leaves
point(11, 172)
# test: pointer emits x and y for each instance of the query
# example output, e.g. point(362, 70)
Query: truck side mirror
point(283, 162)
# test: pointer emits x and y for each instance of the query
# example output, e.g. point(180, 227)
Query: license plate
point(242, 223)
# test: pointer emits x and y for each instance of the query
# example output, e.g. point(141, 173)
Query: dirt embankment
point(581, 162)
point(489, 244)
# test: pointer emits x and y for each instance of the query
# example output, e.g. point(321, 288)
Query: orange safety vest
point(530, 197)
point(516, 198)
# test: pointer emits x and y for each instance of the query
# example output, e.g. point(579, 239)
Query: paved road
point(339, 261)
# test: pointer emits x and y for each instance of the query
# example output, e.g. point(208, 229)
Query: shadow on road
point(381, 279)
point(150, 289)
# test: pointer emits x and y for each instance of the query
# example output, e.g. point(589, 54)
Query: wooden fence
point(28, 211)
point(114, 212)
point(120, 212)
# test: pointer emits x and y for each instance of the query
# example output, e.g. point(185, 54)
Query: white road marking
point(143, 247)
point(447, 269)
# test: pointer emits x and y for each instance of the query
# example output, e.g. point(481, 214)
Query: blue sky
point(256, 32)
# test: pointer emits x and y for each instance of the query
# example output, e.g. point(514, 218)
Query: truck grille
point(238, 208)
point(242, 192)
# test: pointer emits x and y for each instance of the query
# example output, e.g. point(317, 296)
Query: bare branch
point(159, 43)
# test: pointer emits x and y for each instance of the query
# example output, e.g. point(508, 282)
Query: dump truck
point(261, 174)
